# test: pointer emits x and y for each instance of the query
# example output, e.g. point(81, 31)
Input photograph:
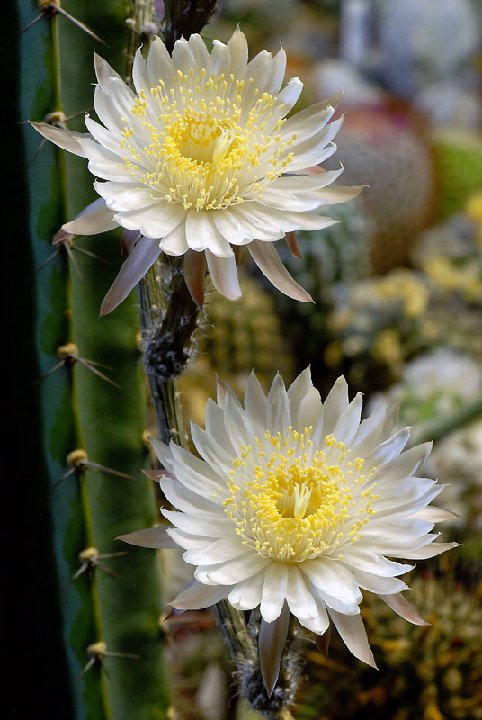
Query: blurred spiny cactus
point(387, 148)
point(89, 402)
point(458, 165)
point(429, 673)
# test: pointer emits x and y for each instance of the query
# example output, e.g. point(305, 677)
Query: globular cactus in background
point(458, 167)
point(432, 672)
point(102, 602)
point(387, 147)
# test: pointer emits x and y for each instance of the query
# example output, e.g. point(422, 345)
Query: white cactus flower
point(299, 505)
point(200, 159)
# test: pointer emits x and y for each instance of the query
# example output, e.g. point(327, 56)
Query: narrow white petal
point(187, 540)
point(94, 219)
point(197, 475)
point(65, 139)
point(278, 68)
point(336, 402)
point(378, 584)
point(182, 498)
point(349, 421)
point(268, 261)
point(311, 413)
point(260, 69)
point(182, 56)
point(198, 596)
point(224, 275)
point(211, 451)
point(220, 58)
point(306, 183)
point(159, 63)
point(199, 525)
point(354, 636)
point(388, 450)
point(125, 196)
point(246, 595)
point(140, 75)
point(402, 607)
point(435, 514)
point(320, 622)
point(256, 406)
point(275, 584)
point(200, 53)
point(371, 562)
point(231, 227)
point(429, 551)
point(142, 257)
point(299, 388)
point(278, 407)
point(238, 52)
point(103, 71)
point(214, 422)
point(290, 94)
point(369, 433)
point(234, 420)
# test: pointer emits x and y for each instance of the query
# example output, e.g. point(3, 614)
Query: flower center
point(291, 502)
point(206, 142)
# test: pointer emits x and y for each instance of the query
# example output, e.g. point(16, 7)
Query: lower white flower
point(298, 504)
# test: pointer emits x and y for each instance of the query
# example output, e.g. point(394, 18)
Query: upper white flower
point(201, 157)
point(295, 503)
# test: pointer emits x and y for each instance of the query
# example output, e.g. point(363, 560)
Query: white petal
point(435, 514)
point(235, 422)
point(271, 642)
point(268, 261)
point(65, 139)
point(214, 422)
point(354, 636)
point(300, 599)
point(238, 51)
point(103, 71)
point(429, 551)
point(274, 591)
point(220, 59)
point(333, 579)
point(219, 551)
point(349, 421)
point(290, 94)
point(306, 183)
point(311, 413)
point(299, 388)
point(125, 196)
point(159, 63)
point(202, 234)
point(320, 622)
point(278, 68)
point(223, 527)
point(278, 407)
point(388, 450)
point(155, 221)
point(200, 53)
point(373, 563)
point(231, 227)
point(188, 541)
point(140, 75)
point(175, 243)
point(200, 596)
point(378, 584)
point(224, 275)
point(211, 451)
point(94, 219)
point(246, 595)
point(184, 499)
point(182, 56)
point(197, 475)
point(336, 402)
point(232, 572)
point(369, 433)
point(256, 407)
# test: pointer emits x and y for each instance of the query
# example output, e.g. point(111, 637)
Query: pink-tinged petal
point(402, 607)
point(268, 261)
point(194, 267)
point(94, 219)
point(292, 242)
point(198, 596)
point(154, 537)
point(429, 551)
point(224, 275)
point(143, 256)
point(278, 407)
point(339, 194)
point(246, 594)
point(271, 641)
point(435, 514)
point(65, 139)
point(354, 636)
point(275, 584)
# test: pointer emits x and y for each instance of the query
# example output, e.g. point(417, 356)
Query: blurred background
point(398, 289)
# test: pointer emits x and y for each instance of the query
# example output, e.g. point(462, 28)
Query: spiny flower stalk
point(293, 508)
point(201, 159)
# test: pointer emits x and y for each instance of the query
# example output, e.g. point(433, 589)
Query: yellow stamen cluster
point(205, 141)
point(292, 502)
